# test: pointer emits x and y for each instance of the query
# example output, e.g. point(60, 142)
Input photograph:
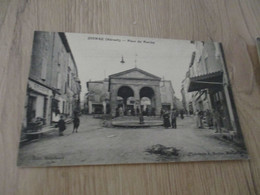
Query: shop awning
point(210, 80)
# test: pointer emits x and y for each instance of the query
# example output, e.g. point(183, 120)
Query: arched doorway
point(125, 94)
point(147, 97)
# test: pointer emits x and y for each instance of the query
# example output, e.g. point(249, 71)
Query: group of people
point(148, 111)
point(169, 118)
point(62, 124)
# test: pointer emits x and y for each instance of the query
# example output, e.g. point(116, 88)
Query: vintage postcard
point(103, 99)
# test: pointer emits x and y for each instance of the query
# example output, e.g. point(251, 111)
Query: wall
point(51, 63)
point(207, 59)
point(167, 93)
point(136, 86)
point(97, 94)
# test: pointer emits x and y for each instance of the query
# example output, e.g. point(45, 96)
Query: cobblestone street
point(95, 144)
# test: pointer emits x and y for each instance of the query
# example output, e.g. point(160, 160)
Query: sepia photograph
point(95, 99)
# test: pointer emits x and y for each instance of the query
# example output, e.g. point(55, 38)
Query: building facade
point(98, 97)
point(53, 84)
point(187, 99)
point(130, 90)
point(206, 86)
point(134, 86)
point(168, 100)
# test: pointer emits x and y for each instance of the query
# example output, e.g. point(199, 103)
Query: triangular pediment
point(135, 73)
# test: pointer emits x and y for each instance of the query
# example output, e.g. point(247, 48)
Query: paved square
point(95, 144)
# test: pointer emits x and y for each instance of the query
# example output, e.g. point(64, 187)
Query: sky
point(98, 56)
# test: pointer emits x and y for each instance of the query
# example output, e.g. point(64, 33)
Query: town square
point(96, 144)
point(97, 99)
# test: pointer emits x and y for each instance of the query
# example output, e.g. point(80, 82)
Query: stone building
point(130, 88)
point(187, 99)
point(98, 97)
point(207, 84)
point(53, 84)
point(168, 99)
point(178, 104)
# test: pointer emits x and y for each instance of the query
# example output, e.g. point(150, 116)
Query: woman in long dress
point(166, 119)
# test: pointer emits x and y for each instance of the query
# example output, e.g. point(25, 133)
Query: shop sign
point(39, 88)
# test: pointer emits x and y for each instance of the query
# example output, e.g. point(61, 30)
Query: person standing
point(182, 114)
point(197, 118)
point(146, 111)
point(209, 118)
point(166, 119)
point(141, 118)
point(117, 112)
point(132, 111)
point(153, 111)
point(201, 115)
point(61, 125)
point(121, 112)
point(161, 112)
point(217, 121)
point(173, 119)
point(76, 123)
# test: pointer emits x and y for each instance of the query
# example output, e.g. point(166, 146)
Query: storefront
point(38, 103)
point(210, 88)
